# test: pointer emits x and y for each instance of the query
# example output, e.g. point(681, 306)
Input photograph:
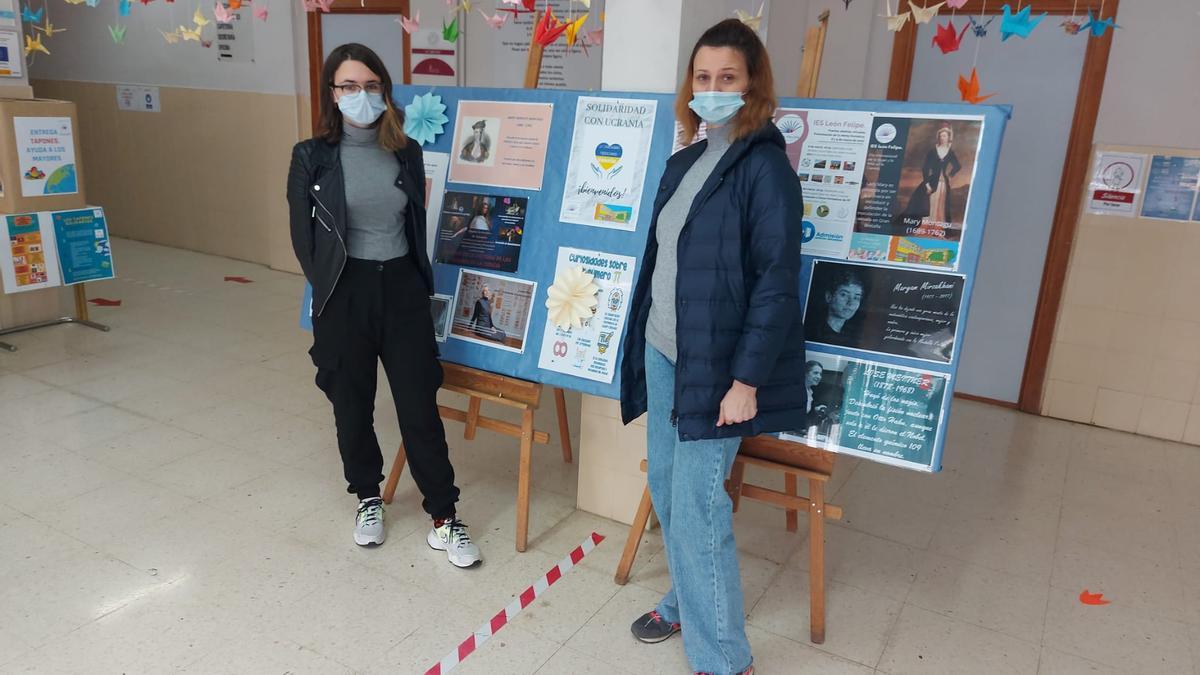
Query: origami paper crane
point(172, 37)
point(895, 22)
point(969, 89)
point(318, 5)
point(519, 7)
point(585, 3)
point(594, 38)
point(980, 29)
point(496, 20)
point(34, 44)
point(924, 14)
point(573, 28)
point(29, 16)
point(80, 2)
point(1099, 26)
point(124, 7)
point(465, 6)
point(207, 44)
point(450, 32)
point(235, 4)
point(92, 3)
point(410, 24)
point(260, 10)
point(948, 39)
point(548, 29)
point(753, 21)
point(425, 118)
point(1071, 26)
point(49, 28)
point(1020, 24)
point(118, 34)
point(847, 4)
point(956, 4)
point(192, 34)
point(146, 2)
point(200, 21)
point(221, 14)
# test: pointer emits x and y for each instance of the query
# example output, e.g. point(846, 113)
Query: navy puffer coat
point(737, 299)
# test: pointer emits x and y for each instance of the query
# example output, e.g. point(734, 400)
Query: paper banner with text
point(30, 260)
point(501, 144)
point(84, 252)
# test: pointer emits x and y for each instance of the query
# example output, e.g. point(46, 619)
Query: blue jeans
point(687, 486)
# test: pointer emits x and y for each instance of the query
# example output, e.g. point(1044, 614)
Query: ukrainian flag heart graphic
point(607, 155)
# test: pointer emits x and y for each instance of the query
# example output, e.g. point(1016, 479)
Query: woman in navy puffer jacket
point(715, 348)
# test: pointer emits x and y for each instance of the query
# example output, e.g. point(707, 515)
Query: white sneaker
point(368, 524)
point(452, 538)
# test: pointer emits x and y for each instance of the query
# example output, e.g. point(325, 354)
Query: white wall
point(640, 66)
point(87, 53)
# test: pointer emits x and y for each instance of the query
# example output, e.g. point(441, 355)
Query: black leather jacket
point(316, 197)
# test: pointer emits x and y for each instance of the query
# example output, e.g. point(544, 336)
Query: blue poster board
point(544, 234)
point(84, 252)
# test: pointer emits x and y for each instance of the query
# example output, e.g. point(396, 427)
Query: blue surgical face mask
point(362, 108)
point(716, 107)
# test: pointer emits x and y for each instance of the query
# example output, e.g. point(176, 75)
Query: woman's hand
point(739, 405)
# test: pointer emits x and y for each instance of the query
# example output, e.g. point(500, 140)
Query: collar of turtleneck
point(352, 135)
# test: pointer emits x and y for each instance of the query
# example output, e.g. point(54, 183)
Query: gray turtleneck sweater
point(660, 331)
point(374, 205)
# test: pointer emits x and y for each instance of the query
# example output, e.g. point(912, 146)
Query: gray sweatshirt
point(374, 205)
point(660, 331)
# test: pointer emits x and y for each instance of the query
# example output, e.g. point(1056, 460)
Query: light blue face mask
point(716, 107)
point(362, 108)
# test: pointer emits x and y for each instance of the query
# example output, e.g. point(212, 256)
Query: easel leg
point(472, 418)
point(793, 516)
point(523, 481)
point(81, 310)
point(736, 476)
point(816, 546)
point(636, 530)
point(389, 490)
point(564, 428)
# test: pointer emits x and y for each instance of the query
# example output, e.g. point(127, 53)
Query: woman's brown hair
point(760, 95)
point(390, 123)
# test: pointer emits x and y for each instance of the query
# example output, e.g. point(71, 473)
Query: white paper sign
point(591, 352)
point(436, 166)
point(137, 98)
point(1116, 183)
point(12, 58)
point(46, 156)
point(29, 255)
point(235, 40)
point(607, 168)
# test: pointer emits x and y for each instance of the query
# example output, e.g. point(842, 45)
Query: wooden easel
point(81, 318)
point(814, 50)
point(479, 386)
point(793, 461)
point(533, 67)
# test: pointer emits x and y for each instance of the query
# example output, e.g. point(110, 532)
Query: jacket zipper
point(321, 220)
point(346, 253)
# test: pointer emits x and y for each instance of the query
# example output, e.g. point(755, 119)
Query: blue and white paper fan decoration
point(425, 118)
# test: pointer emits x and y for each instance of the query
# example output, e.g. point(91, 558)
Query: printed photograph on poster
point(1171, 186)
point(46, 156)
point(436, 166)
point(501, 144)
point(442, 308)
point(481, 231)
point(1116, 183)
point(912, 250)
point(492, 310)
point(591, 351)
point(31, 261)
point(610, 149)
point(886, 310)
point(918, 177)
point(888, 413)
point(828, 150)
point(84, 253)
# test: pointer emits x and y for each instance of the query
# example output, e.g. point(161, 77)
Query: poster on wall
point(436, 166)
point(12, 57)
point(84, 253)
point(881, 412)
point(434, 60)
point(46, 155)
point(501, 144)
point(886, 310)
point(482, 231)
point(916, 189)
point(492, 310)
point(235, 38)
point(31, 259)
point(606, 169)
point(8, 18)
point(441, 306)
point(1171, 186)
point(1116, 183)
point(828, 150)
point(591, 351)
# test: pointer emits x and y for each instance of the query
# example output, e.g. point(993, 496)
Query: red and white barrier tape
point(526, 598)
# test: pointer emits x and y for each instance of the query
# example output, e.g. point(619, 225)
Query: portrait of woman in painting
point(930, 200)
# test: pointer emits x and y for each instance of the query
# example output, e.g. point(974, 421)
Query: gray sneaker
point(651, 628)
point(451, 536)
point(368, 524)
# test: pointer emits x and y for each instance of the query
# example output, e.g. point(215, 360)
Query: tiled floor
point(170, 500)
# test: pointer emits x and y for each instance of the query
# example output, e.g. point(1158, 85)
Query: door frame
point(316, 47)
point(1070, 188)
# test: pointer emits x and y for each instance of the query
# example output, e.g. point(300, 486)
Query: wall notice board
point(896, 197)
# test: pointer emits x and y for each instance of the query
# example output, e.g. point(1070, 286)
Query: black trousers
point(379, 311)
